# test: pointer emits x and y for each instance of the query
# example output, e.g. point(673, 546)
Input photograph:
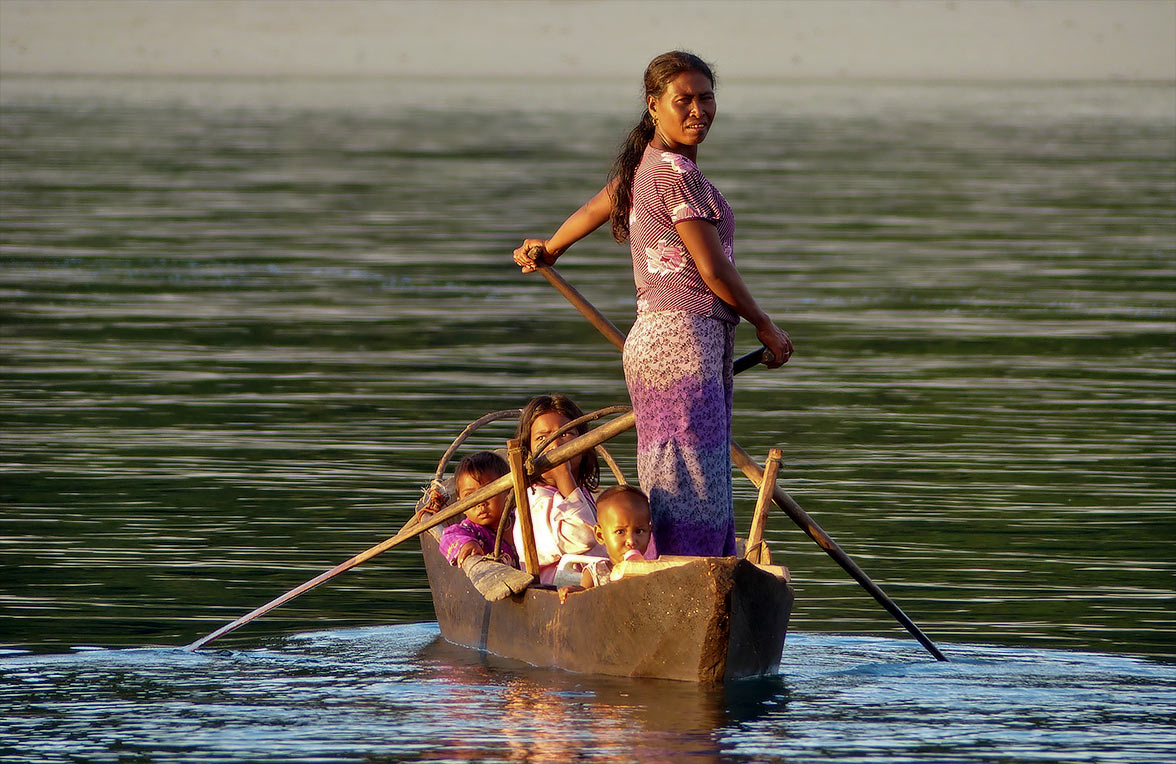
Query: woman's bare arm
point(593, 214)
point(720, 274)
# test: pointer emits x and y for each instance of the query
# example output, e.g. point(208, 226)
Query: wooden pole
point(548, 460)
point(518, 474)
point(615, 468)
point(748, 466)
point(756, 552)
point(580, 303)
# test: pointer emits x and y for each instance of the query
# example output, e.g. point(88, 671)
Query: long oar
point(749, 467)
point(551, 458)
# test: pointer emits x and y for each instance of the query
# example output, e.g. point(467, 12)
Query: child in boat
point(624, 528)
point(476, 533)
point(563, 511)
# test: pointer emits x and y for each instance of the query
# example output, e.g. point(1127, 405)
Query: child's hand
point(470, 547)
point(564, 591)
point(562, 478)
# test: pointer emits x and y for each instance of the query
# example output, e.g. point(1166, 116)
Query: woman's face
point(685, 111)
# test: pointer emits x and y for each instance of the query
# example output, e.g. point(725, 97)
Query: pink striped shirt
point(667, 189)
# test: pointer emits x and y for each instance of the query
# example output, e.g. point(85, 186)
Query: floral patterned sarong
point(678, 370)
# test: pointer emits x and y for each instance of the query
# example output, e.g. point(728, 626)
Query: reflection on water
point(400, 694)
point(554, 716)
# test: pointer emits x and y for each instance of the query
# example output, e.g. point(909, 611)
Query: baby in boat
point(475, 534)
point(624, 529)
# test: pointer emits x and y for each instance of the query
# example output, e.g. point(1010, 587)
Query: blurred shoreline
point(946, 40)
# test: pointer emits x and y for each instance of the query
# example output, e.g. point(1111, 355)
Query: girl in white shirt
point(563, 510)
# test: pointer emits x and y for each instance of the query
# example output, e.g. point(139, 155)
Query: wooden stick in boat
point(615, 468)
point(518, 474)
point(745, 463)
point(552, 458)
point(756, 552)
point(469, 429)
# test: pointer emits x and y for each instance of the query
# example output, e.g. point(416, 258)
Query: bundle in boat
point(493, 579)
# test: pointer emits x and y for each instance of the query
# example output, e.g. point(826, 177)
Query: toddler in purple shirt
point(476, 533)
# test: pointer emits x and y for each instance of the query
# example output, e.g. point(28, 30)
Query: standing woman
point(678, 357)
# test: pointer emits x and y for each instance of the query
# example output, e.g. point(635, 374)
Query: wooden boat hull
point(709, 619)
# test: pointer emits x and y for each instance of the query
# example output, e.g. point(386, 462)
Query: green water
point(241, 320)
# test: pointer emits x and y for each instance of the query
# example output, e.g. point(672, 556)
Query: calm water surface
point(399, 693)
point(239, 321)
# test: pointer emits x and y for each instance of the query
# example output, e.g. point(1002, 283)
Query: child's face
point(489, 512)
point(544, 425)
point(622, 523)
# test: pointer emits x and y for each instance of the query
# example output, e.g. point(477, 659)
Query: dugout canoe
point(695, 619)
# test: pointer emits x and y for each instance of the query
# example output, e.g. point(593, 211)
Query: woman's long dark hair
point(658, 74)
